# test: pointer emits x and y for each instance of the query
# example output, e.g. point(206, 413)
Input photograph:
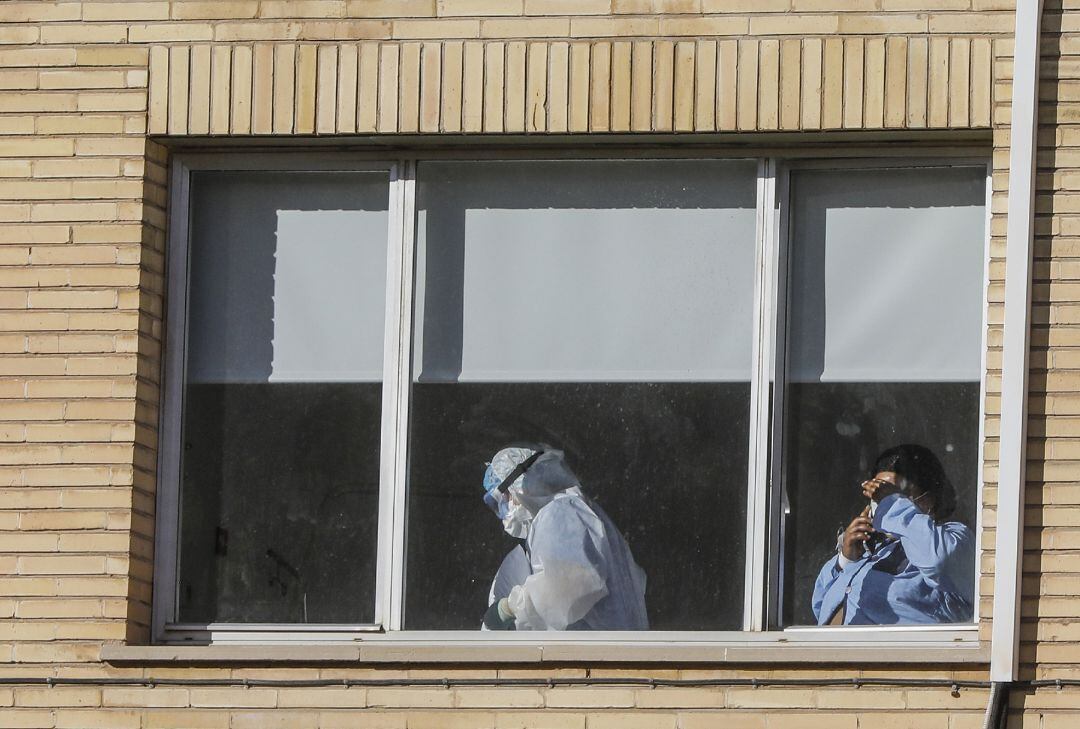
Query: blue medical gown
point(583, 574)
point(926, 576)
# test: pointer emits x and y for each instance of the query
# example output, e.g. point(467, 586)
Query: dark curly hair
point(918, 465)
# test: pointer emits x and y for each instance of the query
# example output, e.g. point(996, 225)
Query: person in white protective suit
point(581, 573)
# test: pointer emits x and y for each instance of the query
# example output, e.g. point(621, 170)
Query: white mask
point(517, 521)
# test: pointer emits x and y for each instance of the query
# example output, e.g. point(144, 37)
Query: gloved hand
point(498, 616)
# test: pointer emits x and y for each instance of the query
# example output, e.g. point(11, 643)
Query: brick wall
point(82, 197)
point(518, 86)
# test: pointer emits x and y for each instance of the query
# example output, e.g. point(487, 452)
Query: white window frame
point(761, 564)
point(773, 547)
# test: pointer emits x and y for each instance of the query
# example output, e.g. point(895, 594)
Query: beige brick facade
point(93, 92)
point(696, 85)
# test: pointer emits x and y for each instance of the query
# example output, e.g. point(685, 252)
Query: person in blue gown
point(901, 561)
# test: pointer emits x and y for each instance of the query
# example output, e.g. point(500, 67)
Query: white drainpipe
point(1009, 546)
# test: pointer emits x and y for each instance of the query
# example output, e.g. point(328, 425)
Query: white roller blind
point(585, 271)
point(887, 275)
point(288, 276)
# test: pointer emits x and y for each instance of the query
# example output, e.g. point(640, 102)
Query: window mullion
point(757, 471)
point(386, 581)
point(777, 499)
point(397, 389)
point(167, 532)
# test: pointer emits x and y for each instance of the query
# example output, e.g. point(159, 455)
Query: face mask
point(498, 503)
point(515, 518)
point(517, 521)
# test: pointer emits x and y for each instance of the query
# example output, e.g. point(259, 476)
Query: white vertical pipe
point(1009, 546)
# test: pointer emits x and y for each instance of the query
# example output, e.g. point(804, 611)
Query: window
point(606, 307)
point(279, 468)
point(884, 347)
point(720, 347)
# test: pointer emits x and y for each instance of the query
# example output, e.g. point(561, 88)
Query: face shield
point(502, 495)
point(496, 500)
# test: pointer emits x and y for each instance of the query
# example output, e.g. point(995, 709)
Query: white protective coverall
point(583, 574)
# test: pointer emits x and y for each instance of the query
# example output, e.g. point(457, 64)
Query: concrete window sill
point(403, 651)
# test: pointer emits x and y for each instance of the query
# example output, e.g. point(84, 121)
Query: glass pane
point(603, 308)
point(884, 349)
point(282, 397)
